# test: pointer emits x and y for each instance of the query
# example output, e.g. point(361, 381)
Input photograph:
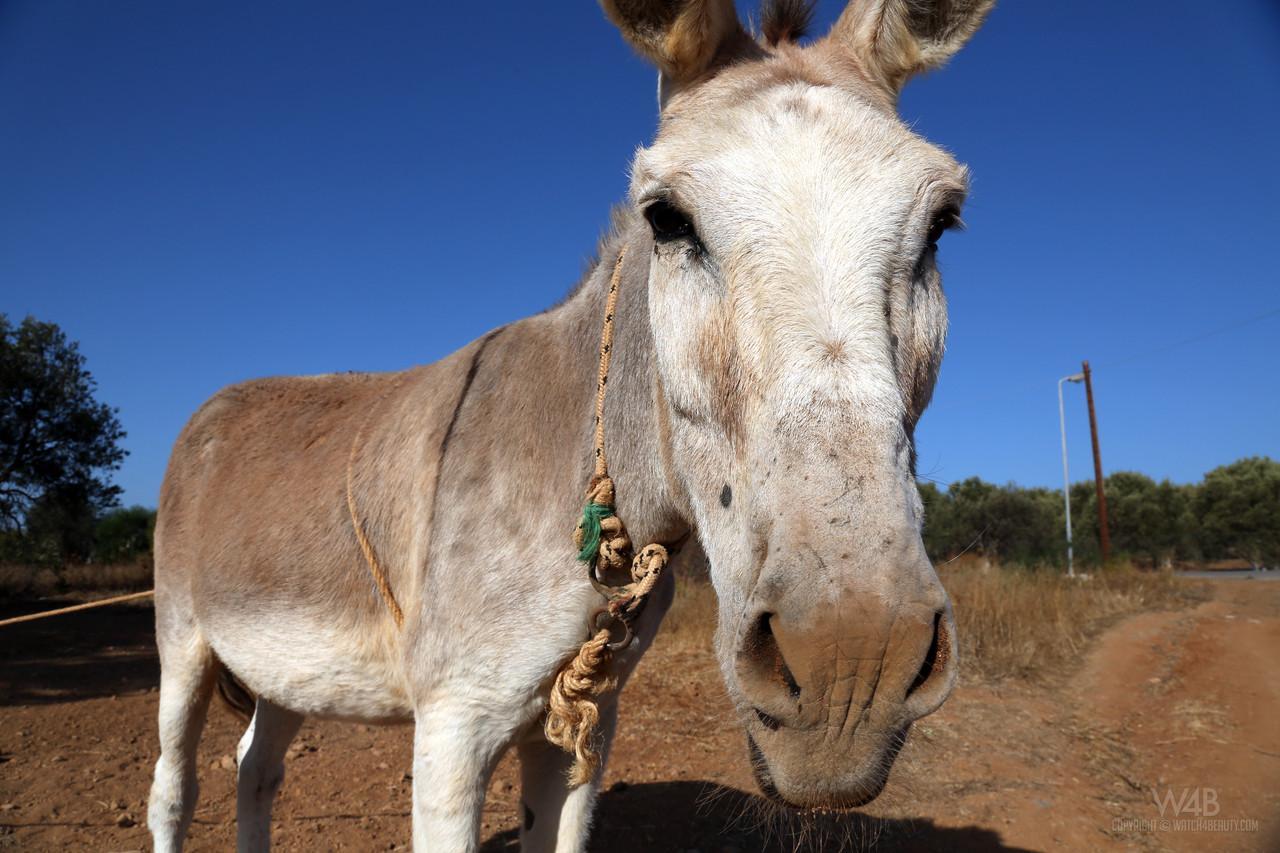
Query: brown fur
point(253, 507)
point(786, 20)
point(897, 39)
point(718, 360)
point(683, 38)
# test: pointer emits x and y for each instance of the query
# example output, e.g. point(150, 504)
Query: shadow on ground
point(87, 655)
point(673, 817)
point(111, 651)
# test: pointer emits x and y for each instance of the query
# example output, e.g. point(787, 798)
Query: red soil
point(1175, 700)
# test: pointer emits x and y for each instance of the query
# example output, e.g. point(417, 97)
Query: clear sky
point(203, 193)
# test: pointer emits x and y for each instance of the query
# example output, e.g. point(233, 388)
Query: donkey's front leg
point(455, 748)
point(555, 817)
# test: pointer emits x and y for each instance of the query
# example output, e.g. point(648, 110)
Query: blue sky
point(202, 193)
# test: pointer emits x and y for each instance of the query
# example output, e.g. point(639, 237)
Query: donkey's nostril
point(935, 660)
point(765, 646)
point(769, 721)
point(784, 672)
point(766, 678)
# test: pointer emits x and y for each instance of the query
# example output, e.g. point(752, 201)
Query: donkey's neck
point(649, 497)
point(514, 441)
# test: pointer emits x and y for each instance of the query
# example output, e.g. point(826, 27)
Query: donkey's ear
point(684, 38)
point(896, 39)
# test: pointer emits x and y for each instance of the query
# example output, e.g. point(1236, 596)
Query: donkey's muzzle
point(833, 688)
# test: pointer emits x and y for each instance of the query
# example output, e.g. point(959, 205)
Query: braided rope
point(606, 356)
point(573, 713)
point(366, 547)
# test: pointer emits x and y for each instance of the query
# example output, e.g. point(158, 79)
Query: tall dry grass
point(692, 618)
point(74, 579)
point(1027, 623)
point(1011, 622)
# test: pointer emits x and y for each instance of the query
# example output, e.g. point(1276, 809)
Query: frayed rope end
point(572, 711)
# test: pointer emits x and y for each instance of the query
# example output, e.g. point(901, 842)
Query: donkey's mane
point(786, 20)
point(621, 217)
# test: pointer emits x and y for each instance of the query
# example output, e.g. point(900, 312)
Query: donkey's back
point(256, 557)
point(252, 545)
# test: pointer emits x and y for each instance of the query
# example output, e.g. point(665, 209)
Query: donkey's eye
point(943, 222)
point(667, 222)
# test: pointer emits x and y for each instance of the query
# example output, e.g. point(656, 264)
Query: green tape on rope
point(592, 515)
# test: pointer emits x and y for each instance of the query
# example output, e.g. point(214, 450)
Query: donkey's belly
point(301, 664)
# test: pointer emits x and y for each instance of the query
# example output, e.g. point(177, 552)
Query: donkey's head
point(799, 323)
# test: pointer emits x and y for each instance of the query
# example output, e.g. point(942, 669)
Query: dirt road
point(1183, 702)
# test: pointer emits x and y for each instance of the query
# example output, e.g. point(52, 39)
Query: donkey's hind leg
point(187, 670)
point(261, 761)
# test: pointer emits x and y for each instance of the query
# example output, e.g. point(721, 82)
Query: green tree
point(124, 535)
point(58, 445)
point(1238, 510)
point(1007, 523)
point(1234, 512)
point(1190, 540)
point(938, 521)
point(1084, 523)
point(1175, 537)
point(1022, 525)
point(59, 527)
point(970, 514)
point(1147, 519)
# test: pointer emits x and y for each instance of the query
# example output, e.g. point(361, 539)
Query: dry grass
point(692, 618)
point(1029, 623)
point(75, 579)
point(1012, 623)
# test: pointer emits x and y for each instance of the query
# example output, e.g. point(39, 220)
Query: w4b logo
point(1201, 802)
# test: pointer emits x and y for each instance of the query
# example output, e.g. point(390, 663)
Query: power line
point(1029, 391)
point(1021, 393)
point(1195, 338)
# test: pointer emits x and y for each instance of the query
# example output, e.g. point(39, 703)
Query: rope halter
point(601, 540)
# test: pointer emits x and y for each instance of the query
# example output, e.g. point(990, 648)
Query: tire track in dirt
point(1193, 699)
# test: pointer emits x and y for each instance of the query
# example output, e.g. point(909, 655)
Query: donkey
point(780, 326)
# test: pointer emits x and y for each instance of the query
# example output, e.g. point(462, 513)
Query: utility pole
point(1104, 535)
point(1066, 477)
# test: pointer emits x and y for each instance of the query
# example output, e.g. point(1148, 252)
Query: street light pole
point(1066, 478)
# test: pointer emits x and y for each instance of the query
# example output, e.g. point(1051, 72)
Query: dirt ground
point(1177, 702)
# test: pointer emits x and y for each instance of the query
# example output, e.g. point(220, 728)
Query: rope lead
point(573, 711)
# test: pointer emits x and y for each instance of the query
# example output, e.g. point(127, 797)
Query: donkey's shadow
point(673, 817)
point(86, 655)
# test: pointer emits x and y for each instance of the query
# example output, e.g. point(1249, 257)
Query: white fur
point(260, 766)
point(186, 683)
point(813, 202)
point(792, 351)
